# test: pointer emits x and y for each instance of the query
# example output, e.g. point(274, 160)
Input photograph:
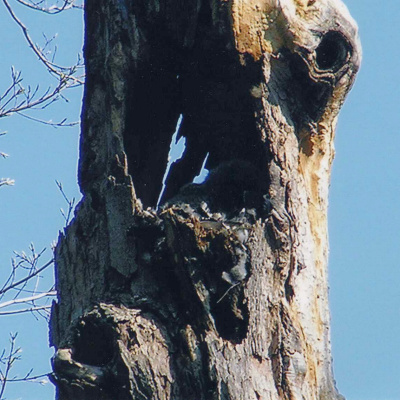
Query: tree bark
point(220, 293)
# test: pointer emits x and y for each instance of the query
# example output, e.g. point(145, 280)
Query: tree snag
point(220, 292)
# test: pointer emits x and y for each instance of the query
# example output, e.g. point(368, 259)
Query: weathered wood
point(222, 293)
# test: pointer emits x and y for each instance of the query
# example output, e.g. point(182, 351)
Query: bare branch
point(34, 379)
point(26, 278)
point(61, 124)
point(6, 182)
point(16, 79)
point(68, 4)
point(60, 71)
point(17, 98)
point(26, 99)
point(27, 299)
point(26, 310)
point(23, 286)
point(8, 361)
point(71, 204)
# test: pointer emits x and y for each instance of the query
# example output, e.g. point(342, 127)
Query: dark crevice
point(312, 97)
point(213, 94)
point(116, 282)
point(181, 280)
point(332, 52)
point(218, 119)
point(289, 292)
point(147, 237)
point(96, 201)
point(225, 279)
point(210, 380)
point(149, 128)
point(229, 189)
point(94, 343)
point(230, 314)
point(177, 287)
point(225, 395)
point(153, 109)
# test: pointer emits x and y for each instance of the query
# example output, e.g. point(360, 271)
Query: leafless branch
point(46, 308)
point(24, 262)
point(17, 98)
point(58, 70)
point(30, 299)
point(41, 379)
point(71, 204)
point(8, 361)
point(23, 285)
point(6, 182)
point(54, 9)
point(59, 124)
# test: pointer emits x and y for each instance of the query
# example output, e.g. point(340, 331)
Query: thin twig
point(10, 359)
point(71, 204)
point(6, 182)
point(17, 98)
point(26, 310)
point(27, 278)
point(53, 9)
point(55, 68)
point(60, 124)
point(30, 378)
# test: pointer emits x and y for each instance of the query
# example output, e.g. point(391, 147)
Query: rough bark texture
point(222, 292)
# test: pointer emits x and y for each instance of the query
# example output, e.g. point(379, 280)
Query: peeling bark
point(221, 293)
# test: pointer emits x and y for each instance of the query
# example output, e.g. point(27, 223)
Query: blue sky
point(364, 215)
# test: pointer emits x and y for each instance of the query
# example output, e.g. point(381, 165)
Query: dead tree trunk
point(222, 292)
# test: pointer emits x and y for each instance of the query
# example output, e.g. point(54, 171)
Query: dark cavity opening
point(332, 52)
point(231, 315)
point(94, 343)
point(310, 97)
point(208, 89)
